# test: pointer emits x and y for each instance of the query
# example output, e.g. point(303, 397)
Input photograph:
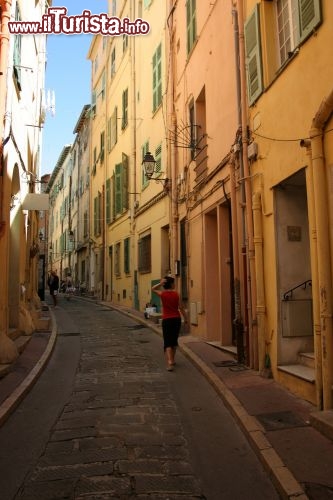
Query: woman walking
point(171, 317)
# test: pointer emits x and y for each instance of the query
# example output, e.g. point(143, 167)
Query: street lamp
point(149, 165)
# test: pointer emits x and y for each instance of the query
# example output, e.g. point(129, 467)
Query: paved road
point(107, 421)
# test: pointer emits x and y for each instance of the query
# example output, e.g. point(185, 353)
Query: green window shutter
point(17, 52)
point(108, 135)
point(108, 201)
point(124, 120)
point(127, 255)
point(309, 16)
point(124, 180)
point(253, 56)
point(157, 77)
point(158, 158)
point(191, 24)
point(118, 189)
point(144, 150)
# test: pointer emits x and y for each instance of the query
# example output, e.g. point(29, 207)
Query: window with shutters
point(158, 159)
point(114, 128)
point(290, 23)
point(121, 196)
point(97, 214)
point(191, 24)
point(127, 255)
point(157, 77)
point(124, 118)
point(117, 259)
point(144, 178)
point(253, 55)
point(102, 147)
point(113, 62)
point(296, 19)
point(144, 254)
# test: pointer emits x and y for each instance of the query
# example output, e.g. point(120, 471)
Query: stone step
point(307, 359)
point(300, 371)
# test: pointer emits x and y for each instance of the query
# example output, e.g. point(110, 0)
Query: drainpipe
point(133, 196)
point(260, 282)
point(314, 277)
point(323, 245)
point(253, 331)
point(174, 234)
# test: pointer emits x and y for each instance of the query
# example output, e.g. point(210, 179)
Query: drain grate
point(280, 420)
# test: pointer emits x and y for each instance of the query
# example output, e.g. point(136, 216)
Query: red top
point(170, 303)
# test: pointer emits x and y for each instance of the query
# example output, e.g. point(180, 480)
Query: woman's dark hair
point(169, 281)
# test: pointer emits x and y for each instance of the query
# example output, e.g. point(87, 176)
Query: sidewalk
point(278, 425)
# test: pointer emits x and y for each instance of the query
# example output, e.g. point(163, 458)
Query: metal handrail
point(288, 295)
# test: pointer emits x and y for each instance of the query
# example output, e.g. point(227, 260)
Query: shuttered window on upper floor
point(157, 77)
point(295, 21)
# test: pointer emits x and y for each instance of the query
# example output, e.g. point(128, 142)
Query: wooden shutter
point(253, 56)
point(108, 201)
point(157, 77)
point(124, 181)
point(309, 17)
point(118, 189)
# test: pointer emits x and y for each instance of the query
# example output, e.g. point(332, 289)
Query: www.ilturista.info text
point(57, 22)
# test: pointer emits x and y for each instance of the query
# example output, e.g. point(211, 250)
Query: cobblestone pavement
point(91, 451)
point(121, 434)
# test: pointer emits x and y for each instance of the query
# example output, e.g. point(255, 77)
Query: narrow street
point(107, 421)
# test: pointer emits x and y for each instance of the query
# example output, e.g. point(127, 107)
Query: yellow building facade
point(290, 153)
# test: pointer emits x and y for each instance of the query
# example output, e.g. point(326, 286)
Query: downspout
point(133, 194)
point(314, 277)
point(5, 6)
point(173, 156)
point(260, 282)
point(323, 245)
point(254, 362)
point(237, 320)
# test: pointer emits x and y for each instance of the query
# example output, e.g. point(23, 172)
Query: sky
point(68, 75)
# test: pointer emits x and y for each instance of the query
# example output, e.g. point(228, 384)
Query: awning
point(36, 201)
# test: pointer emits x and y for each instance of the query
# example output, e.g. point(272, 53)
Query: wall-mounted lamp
point(149, 165)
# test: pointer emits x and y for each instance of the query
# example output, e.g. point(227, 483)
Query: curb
point(9, 405)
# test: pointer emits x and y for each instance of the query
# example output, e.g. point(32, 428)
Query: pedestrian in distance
point(172, 312)
point(53, 283)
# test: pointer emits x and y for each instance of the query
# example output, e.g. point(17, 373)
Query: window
point(157, 77)
point(93, 103)
point(17, 52)
point(117, 259)
point(102, 92)
point(114, 8)
point(124, 120)
point(144, 150)
point(102, 147)
point(144, 254)
point(146, 3)
point(97, 214)
point(158, 159)
point(253, 55)
point(85, 224)
point(127, 255)
point(94, 161)
point(113, 128)
point(295, 22)
point(121, 197)
point(113, 62)
point(191, 24)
